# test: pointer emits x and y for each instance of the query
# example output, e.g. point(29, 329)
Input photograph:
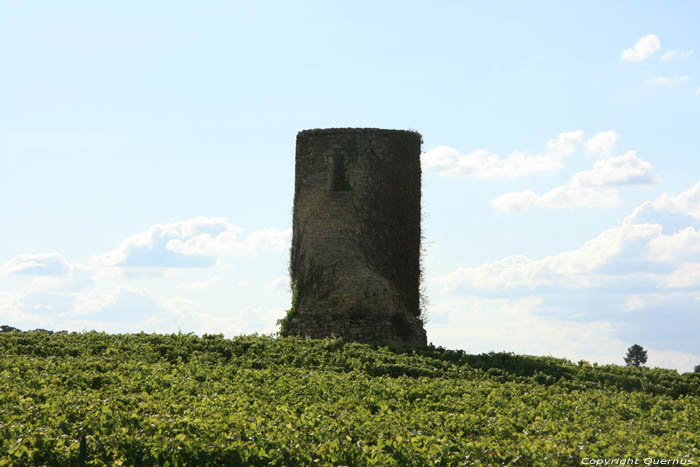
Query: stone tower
point(355, 257)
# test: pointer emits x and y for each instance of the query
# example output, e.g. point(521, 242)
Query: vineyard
point(167, 400)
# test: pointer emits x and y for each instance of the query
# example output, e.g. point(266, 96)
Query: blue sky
point(146, 166)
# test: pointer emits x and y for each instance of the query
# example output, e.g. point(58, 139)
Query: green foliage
point(179, 399)
point(697, 368)
point(636, 356)
point(297, 289)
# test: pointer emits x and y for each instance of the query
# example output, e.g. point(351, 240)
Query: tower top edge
point(355, 131)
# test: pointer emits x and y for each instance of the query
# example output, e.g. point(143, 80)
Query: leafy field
point(144, 399)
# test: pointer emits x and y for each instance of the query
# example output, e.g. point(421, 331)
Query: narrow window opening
point(338, 173)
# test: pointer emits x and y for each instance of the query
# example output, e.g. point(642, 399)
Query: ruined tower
point(355, 257)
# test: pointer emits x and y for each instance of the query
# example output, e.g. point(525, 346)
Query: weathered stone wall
point(385, 329)
point(355, 259)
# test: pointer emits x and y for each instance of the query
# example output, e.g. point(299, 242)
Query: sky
point(147, 163)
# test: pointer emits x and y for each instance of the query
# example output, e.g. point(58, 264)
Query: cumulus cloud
point(124, 304)
point(643, 49)
point(626, 169)
point(205, 284)
point(197, 242)
point(79, 278)
point(602, 143)
point(632, 303)
point(113, 310)
point(565, 144)
point(686, 275)
point(684, 362)
point(673, 212)
point(49, 271)
point(126, 307)
point(129, 309)
point(648, 266)
point(588, 189)
point(671, 54)
point(518, 325)
point(561, 197)
point(58, 295)
point(229, 244)
point(627, 250)
point(481, 164)
point(279, 284)
point(683, 245)
point(516, 201)
point(637, 247)
point(8, 301)
point(37, 264)
point(666, 80)
point(581, 267)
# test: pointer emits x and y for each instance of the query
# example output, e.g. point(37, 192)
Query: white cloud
point(589, 189)
point(280, 284)
point(561, 197)
point(633, 302)
point(630, 249)
point(9, 301)
point(49, 271)
point(228, 244)
point(128, 309)
point(671, 211)
point(125, 304)
point(205, 284)
point(516, 201)
point(481, 164)
point(37, 264)
point(77, 279)
point(643, 49)
point(517, 325)
point(115, 309)
point(134, 309)
point(602, 143)
point(683, 245)
point(697, 93)
point(574, 268)
point(565, 144)
point(686, 275)
point(666, 80)
point(626, 169)
point(197, 242)
point(642, 278)
point(671, 54)
point(684, 362)
point(56, 299)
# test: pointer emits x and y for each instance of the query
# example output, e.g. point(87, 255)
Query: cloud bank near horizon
point(627, 282)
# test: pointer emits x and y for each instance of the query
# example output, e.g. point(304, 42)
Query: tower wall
point(355, 258)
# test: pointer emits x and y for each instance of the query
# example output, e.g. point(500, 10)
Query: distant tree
point(6, 328)
point(636, 355)
point(697, 368)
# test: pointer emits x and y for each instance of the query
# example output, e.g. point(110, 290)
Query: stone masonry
point(355, 257)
